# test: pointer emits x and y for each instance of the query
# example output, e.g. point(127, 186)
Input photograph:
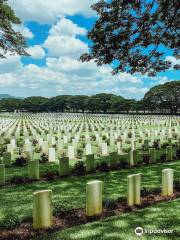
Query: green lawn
point(70, 192)
point(164, 215)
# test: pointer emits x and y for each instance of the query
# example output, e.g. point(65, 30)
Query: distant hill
point(2, 96)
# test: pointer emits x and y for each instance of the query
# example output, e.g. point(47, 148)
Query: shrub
point(104, 138)
point(7, 141)
point(123, 163)
point(178, 153)
point(156, 145)
point(144, 192)
point(37, 149)
point(164, 145)
point(103, 167)
point(79, 168)
point(177, 183)
point(2, 149)
point(34, 142)
point(62, 211)
point(51, 175)
point(43, 158)
point(145, 159)
point(20, 161)
point(18, 179)
point(93, 138)
point(10, 220)
point(163, 158)
point(110, 204)
point(79, 153)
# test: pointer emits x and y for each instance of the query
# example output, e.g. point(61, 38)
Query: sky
point(55, 31)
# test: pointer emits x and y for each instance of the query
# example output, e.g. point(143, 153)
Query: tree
point(59, 103)
point(100, 102)
point(164, 97)
point(134, 35)
point(10, 40)
point(10, 104)
point(78, 103)
point(35, 104)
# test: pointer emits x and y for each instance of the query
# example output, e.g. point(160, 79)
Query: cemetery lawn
point(159, 216)
point(70, 192)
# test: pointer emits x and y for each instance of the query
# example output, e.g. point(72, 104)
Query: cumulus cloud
point(36, 52)
point(29, 10)
point(173, 61)
point(66, 27)
point(68, 76)
point(65, 46)
point(10, 64)
point(23, 30)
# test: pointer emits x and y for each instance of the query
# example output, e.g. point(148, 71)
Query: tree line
point(163, 98)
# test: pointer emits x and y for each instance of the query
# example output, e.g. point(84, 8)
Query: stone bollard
point(113, 157)
point(134, 189)
point(167, 181)
point(169, 152)
point(133, 157)
point(94, 198)
point(33, 170)
point(52, 155)
point(42, 209)
point(2, 174)
point(146, 144)
point(152, 155)
point(63, 166)
point(7, 158)
point(90, 163)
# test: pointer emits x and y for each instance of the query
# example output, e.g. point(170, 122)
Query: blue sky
point(56, 36)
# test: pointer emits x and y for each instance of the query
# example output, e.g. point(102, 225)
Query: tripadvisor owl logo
point(139, 231)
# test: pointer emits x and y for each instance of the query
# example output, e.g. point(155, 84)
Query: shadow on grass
point(122, 227)
point(70, 192)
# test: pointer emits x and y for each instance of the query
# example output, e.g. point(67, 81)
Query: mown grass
point(159, 216)
point(70, 192)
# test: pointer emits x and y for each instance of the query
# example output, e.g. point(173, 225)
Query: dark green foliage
point(123, 163)
point(103, 166)
point(177, 183)
point(44, 158)
point(18, 179)
point(110, 204)
point(11, 41)
point(164, 97)
point(51, 175)
point(34, 142)
point(10, 220)
point(163, 158)
point(178, 153)
point(130, 34)
point(156, 145)
point(79, 168)
point(145, 158)
point(144, 192)
point(3, 148)
point(79, 153)
point(20, 161)
point(62, 211)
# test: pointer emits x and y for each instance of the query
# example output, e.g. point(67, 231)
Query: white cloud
point(65, 46)
point(23, 30)
point(10, 64)
point(36, 52)
point(173, 61)
point(47, 11)
point(66, 27)
point(69, 76)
